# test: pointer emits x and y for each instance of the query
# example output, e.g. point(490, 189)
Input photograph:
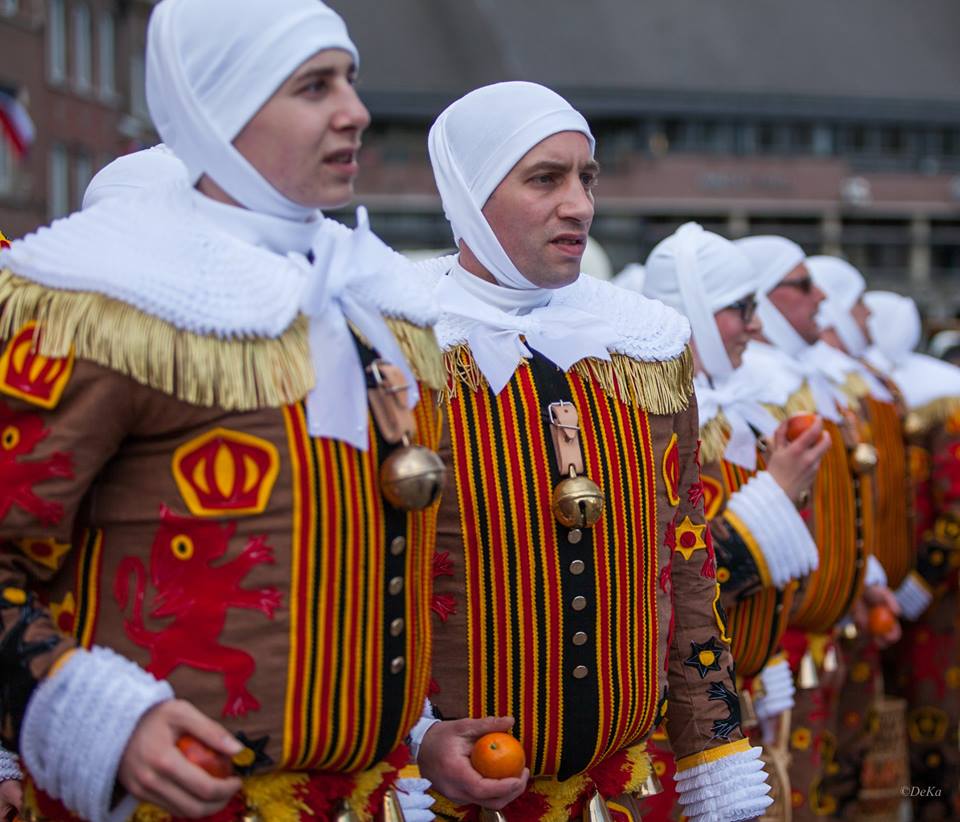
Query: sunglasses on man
point(747, 307)
point(804, 284)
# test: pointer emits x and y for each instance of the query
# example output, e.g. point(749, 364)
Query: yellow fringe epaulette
point(800, 400)
point(662, 387)
point(713, 439)
point(855, 387)
point(922, 420)
point(234, 374)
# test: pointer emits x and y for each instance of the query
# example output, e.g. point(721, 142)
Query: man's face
point(542, 210)
point(861, 314)
point(738, 324)
point(305, 139)
point(797, 298)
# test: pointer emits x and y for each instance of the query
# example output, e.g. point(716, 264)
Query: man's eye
point(543, 179)
point(589, 180)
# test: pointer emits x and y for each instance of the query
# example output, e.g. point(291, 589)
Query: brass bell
point(412, 477)
point(913, 425)
point(830, 660)
point(596, 810)
point(650, 787)
point(251, 814)
point(488, 815)
point(850, 631)
point(748, 714)
point(863, 458)
point(807, 678)
point(577, 501)
point(392, 810)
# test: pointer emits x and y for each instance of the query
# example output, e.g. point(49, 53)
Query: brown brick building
point(77, 65)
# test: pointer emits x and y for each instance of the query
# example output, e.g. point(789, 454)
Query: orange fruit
point(880, 620)
point(498, 756)
point(216, 764)
point(798, 423)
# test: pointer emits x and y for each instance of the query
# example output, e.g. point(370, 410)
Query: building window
point(138, 88)
point(6, 167)
point(8, 8)
point(82, 174)
point(58, 184)
point(106, 56)
point(56, 40)
point(82, 50)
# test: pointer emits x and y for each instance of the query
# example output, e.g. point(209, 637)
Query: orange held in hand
point(881, 620)
point(798, 423)
point(216, 764)
point(498, 756)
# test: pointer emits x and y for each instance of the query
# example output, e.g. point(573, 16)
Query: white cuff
point(78, 723)
point(9, 766)
point(777, 527)
point(414, 799)
point(876, 575)
point(426, 721)
point(913, 596)
point(778, 690)
point(725, 790)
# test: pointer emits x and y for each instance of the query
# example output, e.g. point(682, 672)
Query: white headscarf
point(896, 329)
point(698, 273)
point(474, 144)
point(211, 66)
point(842, 285)
point(134, 172)
point(773, 258)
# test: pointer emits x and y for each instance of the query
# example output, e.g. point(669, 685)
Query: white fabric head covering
point(474, 144)
point(842, 285)
point(773, 258)
point(896, 329)
point(211, 66)
point(149, 168)
point(632, 276)
point(698, 272)
point(943, 341)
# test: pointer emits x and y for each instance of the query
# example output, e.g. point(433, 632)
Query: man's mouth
point(344, 157)
point(571, 243)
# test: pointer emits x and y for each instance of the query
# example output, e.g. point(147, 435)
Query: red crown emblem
point(28, 375)
point(226, 471)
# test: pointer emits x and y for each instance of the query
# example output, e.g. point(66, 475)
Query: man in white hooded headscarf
point(579, 584)
point(208, 395)
point(763, 544)
point(841, 513)
point(926, 667)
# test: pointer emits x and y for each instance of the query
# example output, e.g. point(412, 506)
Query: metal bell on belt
point(577, 501)
point(863, 458)
point(412, 477)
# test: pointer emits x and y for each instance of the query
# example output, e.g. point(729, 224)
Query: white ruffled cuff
point(78, 723)
point(913, 596)
point(778, 690)
point(725, 790)
point(777, 528)
point(876, 575)
point(414, 799)
point(426, 721)
point(9, 766)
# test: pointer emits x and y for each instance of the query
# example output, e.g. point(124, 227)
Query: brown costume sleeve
point(52, 446)
point(704, 708)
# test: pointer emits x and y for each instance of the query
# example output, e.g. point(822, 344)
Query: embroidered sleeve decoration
point(20, 433)
point(704, 657)
point(723, 728)
point(29, 376)
point(671, 470)
point(196, 595)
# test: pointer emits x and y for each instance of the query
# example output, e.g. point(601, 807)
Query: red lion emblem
point(19, 435)
point(197, 595)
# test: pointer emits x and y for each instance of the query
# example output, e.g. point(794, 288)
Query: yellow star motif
point(46, 551)
point(690, 538)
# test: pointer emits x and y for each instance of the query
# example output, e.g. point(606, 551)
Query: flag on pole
point(15, 124)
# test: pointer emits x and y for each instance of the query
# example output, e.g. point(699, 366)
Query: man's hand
point(11, 795)
point(793, 465)
point(445, 760)
point(877, 595)
point(153, 769)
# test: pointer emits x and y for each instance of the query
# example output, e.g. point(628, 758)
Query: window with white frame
point(58, 183)
point(106, 55)
point(6, 167)
point(82, 48)
point(82, 174)
point(56, 40)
